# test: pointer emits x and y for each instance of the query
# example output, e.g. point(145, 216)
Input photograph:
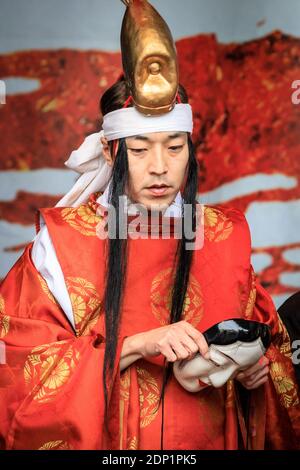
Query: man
point(90, 321)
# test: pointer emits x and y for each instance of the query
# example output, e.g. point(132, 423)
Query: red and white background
point(238, 61)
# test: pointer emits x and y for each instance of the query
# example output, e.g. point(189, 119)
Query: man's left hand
point(255, 375)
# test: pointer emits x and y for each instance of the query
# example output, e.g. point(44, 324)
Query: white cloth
point(45, 260)
point(127, 122)
point(88, 160)
point(44, 257)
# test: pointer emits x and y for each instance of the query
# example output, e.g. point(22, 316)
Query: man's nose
point(158, 163)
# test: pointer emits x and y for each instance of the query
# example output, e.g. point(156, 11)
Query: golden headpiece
point(149, 58)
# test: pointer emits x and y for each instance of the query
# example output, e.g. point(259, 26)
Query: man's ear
point(106, 151)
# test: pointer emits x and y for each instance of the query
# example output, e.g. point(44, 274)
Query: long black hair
point(115, 281)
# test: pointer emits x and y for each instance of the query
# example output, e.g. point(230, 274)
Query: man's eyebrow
point(146, 139)
point(139, 137)
point(174, 136)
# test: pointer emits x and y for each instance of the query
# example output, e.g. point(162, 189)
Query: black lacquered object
point(238, 329)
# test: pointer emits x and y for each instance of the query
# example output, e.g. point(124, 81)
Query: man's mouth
point(158, 189)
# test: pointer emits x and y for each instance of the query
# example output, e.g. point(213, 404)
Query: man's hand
point(255, 375)
point(176, 341)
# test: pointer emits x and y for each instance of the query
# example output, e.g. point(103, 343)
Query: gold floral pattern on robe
point(56, 445)
point(82, 218)
point(4, 319)
point(217, 227)
point(160, 297)
point(148, 396)
point(124, 397)
point(86, 304)
point(252, 297)
point(282, 340)
point(48, 368)
point(132, 443)
point(284, 384)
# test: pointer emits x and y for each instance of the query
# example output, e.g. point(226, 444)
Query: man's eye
point(176, 148)
point(138, 151)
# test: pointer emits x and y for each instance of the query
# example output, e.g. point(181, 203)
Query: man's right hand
point(176, 341)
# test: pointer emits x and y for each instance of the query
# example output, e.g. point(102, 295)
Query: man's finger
point(263, 361)
point(256, 384)
point(169, 354)
point(258, 376)
point(198, 338)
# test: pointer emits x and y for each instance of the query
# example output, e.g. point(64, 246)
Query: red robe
point(51, 391)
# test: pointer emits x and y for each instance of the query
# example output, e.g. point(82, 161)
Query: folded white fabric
point(222, 364)
point(95, 173)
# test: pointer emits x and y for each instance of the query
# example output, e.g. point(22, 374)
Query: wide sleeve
point(51, 387)
point(282, 423)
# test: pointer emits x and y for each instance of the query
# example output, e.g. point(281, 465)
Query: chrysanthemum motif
point(82, 218)
point(87, 215)
point(48, 369)
point(210, 217)
point(217, 227)
point(160, 297)
point(86, 304)
point(52, 375)
point(79, 307)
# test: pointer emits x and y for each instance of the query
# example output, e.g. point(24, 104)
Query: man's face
point(156, 159)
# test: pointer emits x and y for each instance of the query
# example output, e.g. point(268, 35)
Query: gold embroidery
point(2, 305)
point(252, 297)
point(230, 398)
point(217, 227)
point(124, 397)
point(4, 319)
point(160, 297)
point(45, 288)
point(46, 371)
point(284, 385)
point(86, 304)
point(132, 443)
point(4, 325)
point(56, 445)
point(125, 384)
point(148, 397)
point(82, 218)
point(282, 339)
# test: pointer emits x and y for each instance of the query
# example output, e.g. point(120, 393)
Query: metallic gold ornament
point(149, 58)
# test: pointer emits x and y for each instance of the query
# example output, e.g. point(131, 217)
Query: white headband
point(127, 122)
point(88, 159)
